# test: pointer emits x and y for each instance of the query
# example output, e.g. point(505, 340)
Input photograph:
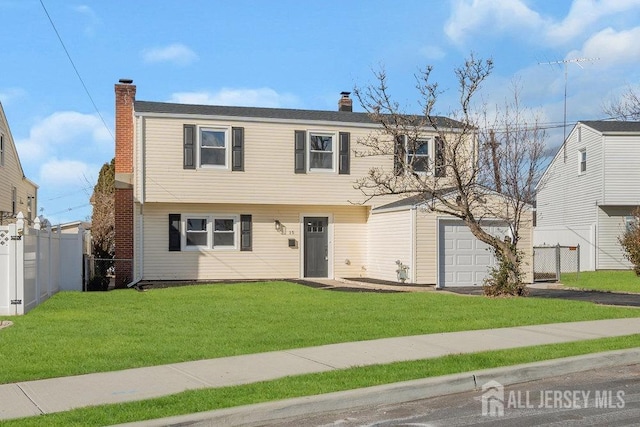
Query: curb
point(397, 392)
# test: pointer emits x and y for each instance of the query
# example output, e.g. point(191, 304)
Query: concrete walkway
point(60, 394)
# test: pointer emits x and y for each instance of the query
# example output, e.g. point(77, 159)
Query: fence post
point(19, 264)
point(558, 262)
point(578, 272)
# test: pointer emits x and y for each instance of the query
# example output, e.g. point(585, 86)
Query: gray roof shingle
point(605, 126)
point(266, 113)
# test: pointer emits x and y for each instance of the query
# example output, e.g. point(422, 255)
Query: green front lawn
point(76, 333)
point(603, 280)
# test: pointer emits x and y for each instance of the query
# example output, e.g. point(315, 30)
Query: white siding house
point(589, 190)
point(235, 193)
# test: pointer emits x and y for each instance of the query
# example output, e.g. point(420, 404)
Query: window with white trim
point(197, 232)
point(418, 155)
point(214, 147)
point(210, 232)
point(582, 159)
point(322, 150)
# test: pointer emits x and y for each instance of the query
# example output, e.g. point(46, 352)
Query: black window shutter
point(174, 232)
point(300, 154)
point(399, 154)
point(189, 147)
point(237, 149)
point(344, 160)
point(440, 170)
point(245, 233)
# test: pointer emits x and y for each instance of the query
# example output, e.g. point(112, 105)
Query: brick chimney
point(125, 97)
point(345, 103)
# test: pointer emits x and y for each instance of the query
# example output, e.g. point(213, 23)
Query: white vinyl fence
point(35, 264)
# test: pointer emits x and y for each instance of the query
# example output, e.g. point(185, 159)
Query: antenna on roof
point(576, 61)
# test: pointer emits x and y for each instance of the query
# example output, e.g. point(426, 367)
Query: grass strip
point(312, 384)
point(609, 280)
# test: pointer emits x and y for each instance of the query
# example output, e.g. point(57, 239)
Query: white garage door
point(465, 260)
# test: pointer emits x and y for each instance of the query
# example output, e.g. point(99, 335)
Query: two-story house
point(588, 192)
point(17, 192)
point(211, 192)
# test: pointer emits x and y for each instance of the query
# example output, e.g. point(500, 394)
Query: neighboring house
point(17, 192)
point(217, 193)
point(588, 192)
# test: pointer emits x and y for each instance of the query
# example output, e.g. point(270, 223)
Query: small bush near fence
point(630, 241)
point(101, 274)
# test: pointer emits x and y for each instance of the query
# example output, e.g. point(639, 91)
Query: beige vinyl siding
point(566, 197)
point(389, 240)
point(610, 226)
point(426, 247)
point(271, 256)
point(622, 171)
point(268, 162)
point(11, 176)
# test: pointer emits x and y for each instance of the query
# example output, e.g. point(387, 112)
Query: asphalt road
point(608, 397)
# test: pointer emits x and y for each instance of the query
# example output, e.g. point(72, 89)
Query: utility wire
point(76, 70)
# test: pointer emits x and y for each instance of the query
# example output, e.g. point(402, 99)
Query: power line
point(76, 70)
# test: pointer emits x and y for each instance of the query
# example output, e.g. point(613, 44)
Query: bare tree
point(476, 174)
point(626, 107)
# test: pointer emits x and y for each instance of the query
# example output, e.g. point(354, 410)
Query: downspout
point(414, 244)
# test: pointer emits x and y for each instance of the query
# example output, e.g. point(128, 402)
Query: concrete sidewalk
point(60, 394)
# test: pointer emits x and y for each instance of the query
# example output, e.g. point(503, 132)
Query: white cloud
point(611, 47)
point(584, 13)
point(176, 53)
point(262, 97)
point(470, 16)
point(59, 130)
point(66, 173)
point(90, 17)
point(11, 94)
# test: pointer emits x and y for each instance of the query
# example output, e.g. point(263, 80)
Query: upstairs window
point(1, 150)
point(582, 158)
point(213, 147)
point(321, 151)
point(418, 155)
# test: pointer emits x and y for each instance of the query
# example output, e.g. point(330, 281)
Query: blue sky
point(285, 53)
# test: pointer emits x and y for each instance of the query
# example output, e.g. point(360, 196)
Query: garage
point(463, 260)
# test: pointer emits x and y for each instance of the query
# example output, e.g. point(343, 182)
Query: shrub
point(630, 241)
point(98, 283)
point(506, 278)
